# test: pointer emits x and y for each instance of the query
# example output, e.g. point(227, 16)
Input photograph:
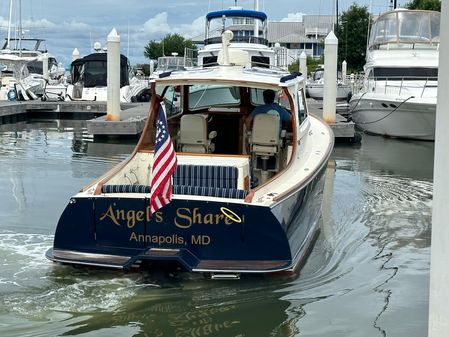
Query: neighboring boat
point(254, 42)
point(401, 76)
point(315, 86)
point(89, 80)
point(22, 69)
point(243, 201)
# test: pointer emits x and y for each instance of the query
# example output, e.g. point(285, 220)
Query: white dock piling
point(439, 271)
point(303, 64)
point(151, 67)
point(45, 66)
point(75, 54)
point(344, 70)
point(330, 78)
point(113, 77)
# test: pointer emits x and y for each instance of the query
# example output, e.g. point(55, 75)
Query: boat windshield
point(401, 29)
point(168, 63)
point(280, 98)
point(205, 95)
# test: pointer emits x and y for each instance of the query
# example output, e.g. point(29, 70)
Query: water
point(368, 274)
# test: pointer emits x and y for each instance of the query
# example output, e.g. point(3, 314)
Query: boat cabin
point(406, 29)
point(249, 29)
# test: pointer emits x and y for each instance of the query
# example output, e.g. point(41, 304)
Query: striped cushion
point(210, 191)
point(125, 189)
point(206, 176)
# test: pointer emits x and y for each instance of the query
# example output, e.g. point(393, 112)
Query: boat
point(399, 93)
point(250, 29)
point(22, 69)
point(315, 86)
point(88, 80)
point(203, 191)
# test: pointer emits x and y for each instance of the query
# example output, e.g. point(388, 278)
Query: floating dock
point(343, 128)
point(132, 116)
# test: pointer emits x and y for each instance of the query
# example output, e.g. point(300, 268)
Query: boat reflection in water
point(244, 201)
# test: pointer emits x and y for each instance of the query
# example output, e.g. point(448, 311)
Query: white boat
point(242, 201)
point(315, 86)
point(88, 80)
point(399, 95)
point(254, 43)
point(22, 69)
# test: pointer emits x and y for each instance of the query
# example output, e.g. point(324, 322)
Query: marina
point(234, 202)
point(374, 244)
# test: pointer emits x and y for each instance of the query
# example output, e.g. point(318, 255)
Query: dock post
point(75, 54)
point(303, 65)
point(113, 76)
point(439, 251)
point(330, 78)
point(344, 70)
point(151, 67)
point(45, 67)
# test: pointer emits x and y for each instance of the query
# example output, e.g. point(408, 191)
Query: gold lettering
point(120, 214)
point(148, 213)
point(110, 214)
point(196, 216)
point(218, 218)
point(159, 217)
point(183, 214)
point(131, 217)
point(209, 219)
point(133, 237)
point(200, 240)
point(140, 216)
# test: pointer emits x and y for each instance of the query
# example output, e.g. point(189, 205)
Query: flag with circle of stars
point(164, 165)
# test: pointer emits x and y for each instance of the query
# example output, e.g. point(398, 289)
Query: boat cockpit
point(212, 128)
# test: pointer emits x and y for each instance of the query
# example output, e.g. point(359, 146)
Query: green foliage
point(171, 43)
point(312, 64)
point(352, 32)
point(432, 5)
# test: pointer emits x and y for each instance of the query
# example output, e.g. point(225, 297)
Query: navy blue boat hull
point(203, 236)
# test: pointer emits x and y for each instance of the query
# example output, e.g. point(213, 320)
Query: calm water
point(368, 274)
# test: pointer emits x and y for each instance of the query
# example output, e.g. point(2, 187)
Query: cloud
point(157, 24)
point(293, 17)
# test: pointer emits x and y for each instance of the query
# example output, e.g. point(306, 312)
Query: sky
point(66, 27)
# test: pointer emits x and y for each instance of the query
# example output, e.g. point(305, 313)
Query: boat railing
point(387, 84)
point(238, 39)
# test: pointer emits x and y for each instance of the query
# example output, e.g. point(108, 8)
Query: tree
point(171, 43)
point(352, 32)
point(432, 5)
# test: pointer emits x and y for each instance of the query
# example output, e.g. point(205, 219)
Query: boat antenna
point(20, 28)
point(9, 24)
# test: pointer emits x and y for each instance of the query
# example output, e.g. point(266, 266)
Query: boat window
point(205, 95)
point(172, 101)
point(301, 101)
point(435, 27)
point(257, 98)
point(414, 27)
point(405, 73)
point(95, 74)
point(406, 27)
point(260, 61)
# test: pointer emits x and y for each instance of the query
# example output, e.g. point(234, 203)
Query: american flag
point(164, 164)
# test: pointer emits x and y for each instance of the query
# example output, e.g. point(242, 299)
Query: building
point(307, 35)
